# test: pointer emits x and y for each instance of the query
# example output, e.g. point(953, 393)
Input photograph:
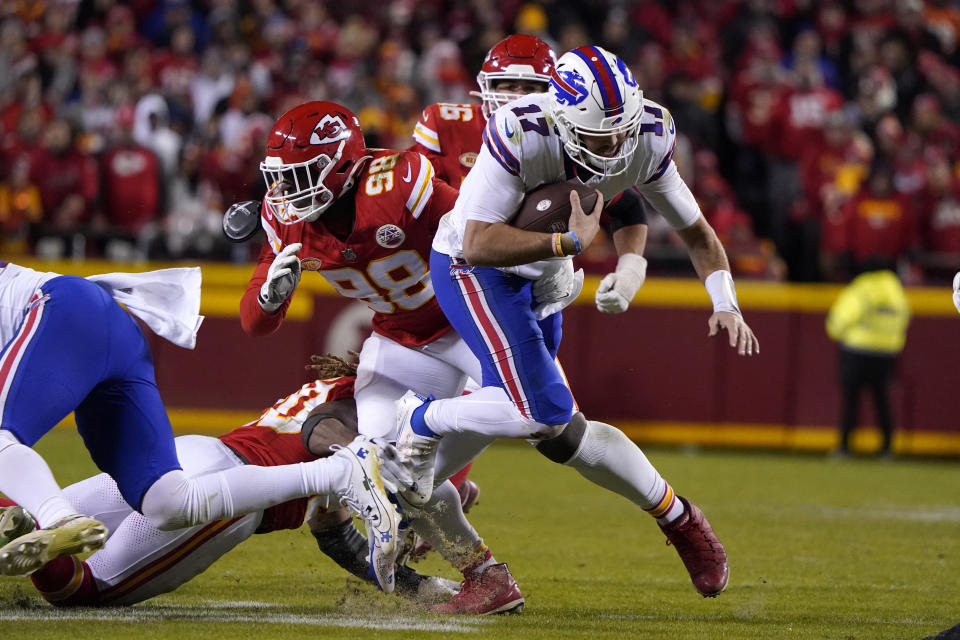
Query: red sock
point(66, 582)
point(7, 502)
point(458, 478)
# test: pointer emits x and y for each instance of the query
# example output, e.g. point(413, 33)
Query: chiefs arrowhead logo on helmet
point(330, 129)
point(313, 154)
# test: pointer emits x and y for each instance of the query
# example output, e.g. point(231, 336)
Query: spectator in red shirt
point(68, 184)
point(932, 128)
point(940, 220)
point(876, 223)
point(796, 126)
point(131, 189)
point(23, 140)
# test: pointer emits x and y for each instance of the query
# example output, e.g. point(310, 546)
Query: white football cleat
point(27, 553)
point(420, 451)
point(367, 497)
point(14, 522)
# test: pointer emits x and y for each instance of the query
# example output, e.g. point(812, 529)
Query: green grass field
point(853, 549)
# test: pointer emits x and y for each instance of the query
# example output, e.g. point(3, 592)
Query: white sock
point(99, 497)
point(487, 411)
point(441, 523)
point(26, 479)
point(610, 459)
point(176, 500)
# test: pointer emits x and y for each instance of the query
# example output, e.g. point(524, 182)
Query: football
point(547, 208)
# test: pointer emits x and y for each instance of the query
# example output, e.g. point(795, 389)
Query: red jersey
point(59, 176)
point(877, 225)
point(131, 187)
point(942, 221)
point(385, 261)
point(798, 120)
point(450, 135)
point(274, 439)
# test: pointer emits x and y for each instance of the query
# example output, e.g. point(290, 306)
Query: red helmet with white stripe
point(597, 106)
point(314, 151)
point(516, 57)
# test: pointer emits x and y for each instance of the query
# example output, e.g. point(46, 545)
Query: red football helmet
point(314, 151)
point(516, 57)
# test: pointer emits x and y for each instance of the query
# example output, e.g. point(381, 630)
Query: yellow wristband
point(558, 244)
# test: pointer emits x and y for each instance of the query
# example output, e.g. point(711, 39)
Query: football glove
point(555, 283)
point(282, 278)
point(956, 291)
point(617, 289)
point(554, 291)
point(395, 470)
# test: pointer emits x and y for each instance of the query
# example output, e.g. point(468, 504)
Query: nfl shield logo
point(349, 254)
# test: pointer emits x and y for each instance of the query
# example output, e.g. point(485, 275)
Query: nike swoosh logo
point(407, 179)
point(506, 129)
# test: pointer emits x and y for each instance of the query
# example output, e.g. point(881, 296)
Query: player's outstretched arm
point(255, 318)
point(710, 261)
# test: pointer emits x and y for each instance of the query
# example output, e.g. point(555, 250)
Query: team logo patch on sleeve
point(310, 264)
point(468, 159)
point(390, 236)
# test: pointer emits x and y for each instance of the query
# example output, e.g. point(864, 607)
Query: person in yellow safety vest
point(869, 321)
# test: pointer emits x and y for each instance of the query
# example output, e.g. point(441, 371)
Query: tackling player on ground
point(140, 561)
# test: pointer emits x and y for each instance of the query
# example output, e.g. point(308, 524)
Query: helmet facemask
point(493, 98)
point(299, 192)
point(578, 140)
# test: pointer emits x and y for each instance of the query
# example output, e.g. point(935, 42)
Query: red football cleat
point(469, 494)
point(700, 550)
point(493, 590)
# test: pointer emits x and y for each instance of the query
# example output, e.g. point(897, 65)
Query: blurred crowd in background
point(815, 135)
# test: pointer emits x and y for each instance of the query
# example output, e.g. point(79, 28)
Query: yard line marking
point(917, 514)
point(230, 612)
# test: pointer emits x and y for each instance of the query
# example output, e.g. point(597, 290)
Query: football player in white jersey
point(69, 346)
point(593, 126)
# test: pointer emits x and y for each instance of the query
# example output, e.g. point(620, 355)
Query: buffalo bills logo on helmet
point(569, 86)
point(627, 74)
point(331, 128)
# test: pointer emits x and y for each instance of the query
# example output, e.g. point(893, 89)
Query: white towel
point(167, 300)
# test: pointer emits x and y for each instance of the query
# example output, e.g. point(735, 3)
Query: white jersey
point(167, 300)
point(522, 150)
point(17, 287)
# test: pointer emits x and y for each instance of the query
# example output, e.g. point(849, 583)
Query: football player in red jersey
point(450, 135)
point(364, 219)
point(140, 561)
